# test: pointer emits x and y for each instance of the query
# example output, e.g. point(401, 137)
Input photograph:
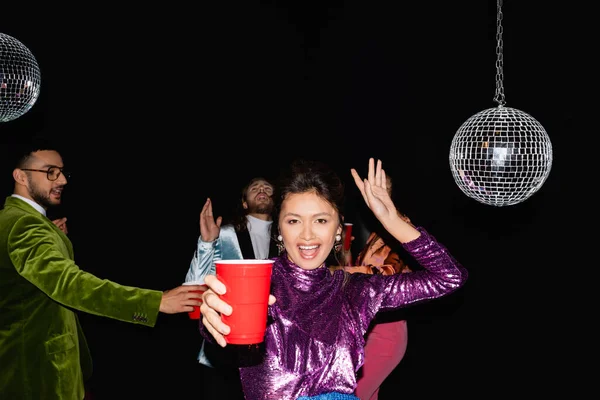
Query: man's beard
point(40, 198)
point(262, 208)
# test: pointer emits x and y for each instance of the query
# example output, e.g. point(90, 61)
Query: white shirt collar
point(31, 203)
point(258, 224)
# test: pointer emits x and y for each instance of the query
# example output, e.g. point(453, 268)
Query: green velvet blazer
point(43, 352)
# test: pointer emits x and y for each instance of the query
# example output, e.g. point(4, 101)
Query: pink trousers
point(385, 346)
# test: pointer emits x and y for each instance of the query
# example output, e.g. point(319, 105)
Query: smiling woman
point(315, 341)
point(309, 226)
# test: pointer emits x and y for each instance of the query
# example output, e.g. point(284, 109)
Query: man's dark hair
point(17, 152)
point(26, 149)
point(239, 220)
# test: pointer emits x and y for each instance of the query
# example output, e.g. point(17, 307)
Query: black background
point(159, 107)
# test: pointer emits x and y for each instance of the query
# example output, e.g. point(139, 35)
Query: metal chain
point(499, 97)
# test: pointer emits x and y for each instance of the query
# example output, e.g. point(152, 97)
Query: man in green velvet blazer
point(43, 352)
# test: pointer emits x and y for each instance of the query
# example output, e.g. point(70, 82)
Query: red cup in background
point(196, 313)
point(248, 285)
point(347, 235)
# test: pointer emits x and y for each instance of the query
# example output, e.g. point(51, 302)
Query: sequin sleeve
point(441, 276)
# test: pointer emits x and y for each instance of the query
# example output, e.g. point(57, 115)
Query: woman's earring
point(338, 243)
point(280, 246)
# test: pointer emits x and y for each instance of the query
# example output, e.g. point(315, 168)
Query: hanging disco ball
point(500, 156)
point(19, 78)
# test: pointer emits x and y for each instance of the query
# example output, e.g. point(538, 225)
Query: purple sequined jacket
point(314, 344)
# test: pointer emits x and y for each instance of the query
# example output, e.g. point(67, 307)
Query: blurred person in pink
point(387, 337)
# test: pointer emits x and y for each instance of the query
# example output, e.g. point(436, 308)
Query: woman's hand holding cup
point(213, 306)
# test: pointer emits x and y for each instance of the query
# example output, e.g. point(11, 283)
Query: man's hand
point(180, 299)
point(209, 227)
point(61, 223)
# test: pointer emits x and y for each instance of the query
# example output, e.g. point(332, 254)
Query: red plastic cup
point(196, 313)
point(248, 284)
point(347, 235)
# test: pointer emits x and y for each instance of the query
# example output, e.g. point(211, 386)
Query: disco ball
point(19, 79)
point(500, 156)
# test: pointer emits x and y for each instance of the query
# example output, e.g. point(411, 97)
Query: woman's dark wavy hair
point(309, 176)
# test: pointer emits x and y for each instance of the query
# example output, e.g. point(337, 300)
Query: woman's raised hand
point(374, 192)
